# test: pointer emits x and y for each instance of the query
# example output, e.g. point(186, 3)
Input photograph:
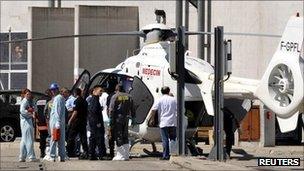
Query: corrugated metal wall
point(52, 60)
point(97, 53)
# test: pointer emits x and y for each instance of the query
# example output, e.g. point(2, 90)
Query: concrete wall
point(251, 55)
point(52, 60)
point(98, 53)
point(15, 14)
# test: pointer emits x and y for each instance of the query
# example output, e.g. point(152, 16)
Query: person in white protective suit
point(103, 103)
point(57, 121)
point(27, 112)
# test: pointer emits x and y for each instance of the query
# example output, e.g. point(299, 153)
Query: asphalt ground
point(241, 159)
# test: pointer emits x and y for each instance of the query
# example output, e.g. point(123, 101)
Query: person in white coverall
point(27, 113)
point(57, 120)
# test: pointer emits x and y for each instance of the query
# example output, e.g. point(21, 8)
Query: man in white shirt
point(166, 106)
point(103, 102)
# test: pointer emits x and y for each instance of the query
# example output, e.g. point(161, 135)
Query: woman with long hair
point(28, 110)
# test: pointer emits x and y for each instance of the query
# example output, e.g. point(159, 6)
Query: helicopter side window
point(125, 81)
point(106, 80)
point(127, 84)
point(109, 81)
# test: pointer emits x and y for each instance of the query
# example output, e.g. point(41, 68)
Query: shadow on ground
point(243, 153)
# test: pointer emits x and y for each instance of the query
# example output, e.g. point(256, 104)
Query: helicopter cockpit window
point(153, 36)
point(168, 35)
point(157, 35)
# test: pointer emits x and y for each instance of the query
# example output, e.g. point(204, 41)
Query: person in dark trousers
point(69, 105)
point(229, 127)
point(42, 123)
point(121, 109)
point(77, 125)
point(96, 125)
point(166, 107)
point(111, 141)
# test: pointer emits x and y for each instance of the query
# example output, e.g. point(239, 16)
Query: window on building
point(13, 61)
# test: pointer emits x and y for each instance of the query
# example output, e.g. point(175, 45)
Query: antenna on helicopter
point(160, 14)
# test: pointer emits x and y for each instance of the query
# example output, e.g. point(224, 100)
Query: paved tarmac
point(240, 160)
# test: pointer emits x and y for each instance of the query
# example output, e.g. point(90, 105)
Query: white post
point(262, 126)
point(76, 43)
point(268, 127)
point(29, 50)
point(9, 57)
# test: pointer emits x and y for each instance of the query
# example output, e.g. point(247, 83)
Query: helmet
point(54, 86)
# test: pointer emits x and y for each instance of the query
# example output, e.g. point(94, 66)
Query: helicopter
point(143, 75)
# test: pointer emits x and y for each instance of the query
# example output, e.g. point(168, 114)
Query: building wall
point(250, 54)
point(98, 53)
point(52, 60)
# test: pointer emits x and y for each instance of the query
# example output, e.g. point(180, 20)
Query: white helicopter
point(280, 89)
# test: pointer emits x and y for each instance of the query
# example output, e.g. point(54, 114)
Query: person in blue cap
point(57, 121)
point(27, 112)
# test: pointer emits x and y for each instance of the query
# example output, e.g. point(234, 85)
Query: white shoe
point(122, 152)
point(126, 152)
point(34, 160)
point(119, 159)
point(21, 160)
point(119, 153)
point(48, 158)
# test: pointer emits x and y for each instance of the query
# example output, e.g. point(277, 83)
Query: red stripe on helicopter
point(149, 71)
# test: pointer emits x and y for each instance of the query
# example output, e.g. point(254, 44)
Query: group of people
point(68, 116)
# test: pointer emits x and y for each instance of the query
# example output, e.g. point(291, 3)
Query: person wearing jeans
point(167, 133)
point(166, 107)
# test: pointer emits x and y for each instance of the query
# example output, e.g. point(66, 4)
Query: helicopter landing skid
point(154, 152)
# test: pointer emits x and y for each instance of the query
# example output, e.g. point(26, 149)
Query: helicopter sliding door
point(82, 82)
point(143, 99)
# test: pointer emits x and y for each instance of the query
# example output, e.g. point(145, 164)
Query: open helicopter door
point(143, 99)
point(82, 82)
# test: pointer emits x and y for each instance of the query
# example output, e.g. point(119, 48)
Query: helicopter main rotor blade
point(135, 33)
point(233, 34)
